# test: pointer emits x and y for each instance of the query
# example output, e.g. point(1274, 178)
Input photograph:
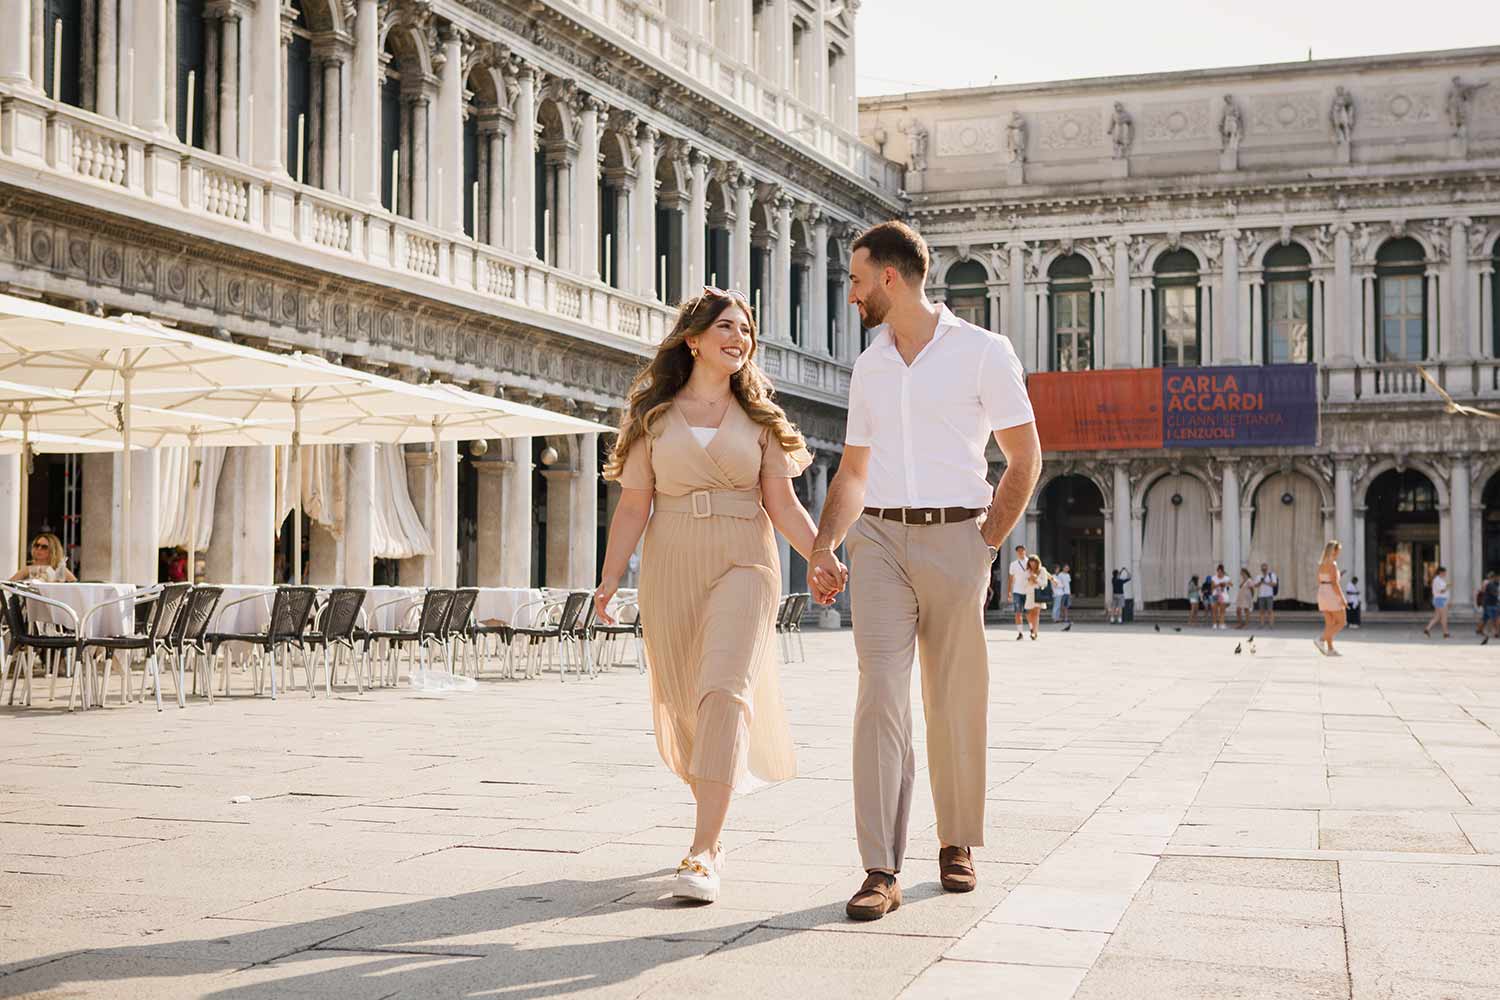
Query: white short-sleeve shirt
point(1064, 583)
point(1018, 576)
point(927, 424)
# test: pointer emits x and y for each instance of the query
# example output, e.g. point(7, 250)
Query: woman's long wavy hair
point(660, 381)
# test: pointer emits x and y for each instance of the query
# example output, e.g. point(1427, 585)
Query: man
point(925, 398)
point(1491, 615)
point(1019, 587)
point(1351, 598)
point(1266, 586)
point(1062, 593)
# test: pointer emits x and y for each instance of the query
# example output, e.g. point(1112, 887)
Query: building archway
point(1072, 531)
point(1177, 537)
point(1401, 539)
point(1286, 525)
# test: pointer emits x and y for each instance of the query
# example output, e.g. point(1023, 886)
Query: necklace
point(709, 402)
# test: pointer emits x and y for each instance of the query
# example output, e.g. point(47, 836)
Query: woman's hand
point(602, 596)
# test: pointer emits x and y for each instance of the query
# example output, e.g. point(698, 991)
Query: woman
point(1195, 598)
point(1244, 599)
point(46, 564)
point(1220, 596)
point(1439, 603)
point(1037, 578)
point(1330, 599)
point(706, 461)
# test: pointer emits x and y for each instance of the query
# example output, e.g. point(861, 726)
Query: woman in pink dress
point(1330, 599)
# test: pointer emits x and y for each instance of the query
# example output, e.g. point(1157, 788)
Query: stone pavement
point(1165, 819)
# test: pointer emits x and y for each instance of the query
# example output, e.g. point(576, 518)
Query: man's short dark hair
point(895, 244)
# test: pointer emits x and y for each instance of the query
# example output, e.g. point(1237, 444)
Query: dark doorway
point(1072, 531)
point(1401, 540)
point(1489, 532)
point(468, 518)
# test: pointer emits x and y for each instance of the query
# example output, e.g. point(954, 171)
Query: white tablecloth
point(504, 603)
point(245, 618)
point(391, 616)
point(117, 619)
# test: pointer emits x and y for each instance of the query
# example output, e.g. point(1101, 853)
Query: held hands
point(826, 577)
point(602, 596)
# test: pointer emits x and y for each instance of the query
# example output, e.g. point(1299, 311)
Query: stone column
point(229, 84)
point(489, 513)
point(1341, 303)
point(1230, 336)
point(1437, 339)
point(106, 67)
point(1460, 342)
point(493, 142)
point(644, 200)
point(1343, 504)
point(359, 558)
point(1231, 549)
point(818, 324)
point(781, 273)
point(1485, 307)
point(1460, 560)
point(587, 186)
point(1123, 531)
point(583, 528)
point(1121, 349)
point(559, 540)
point(11, 529)
point(694, 246)
point(416, 166)
point(149, 88)
point(522, 209)
point(330, 158)
point(449, 209)
point(1016, 322)
point(445, 538)
point(739, 255)
point(784, 561)
point(15, 56)
point(366, 123)
point(516, 514)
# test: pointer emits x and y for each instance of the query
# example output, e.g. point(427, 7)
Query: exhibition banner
point(1219, 407)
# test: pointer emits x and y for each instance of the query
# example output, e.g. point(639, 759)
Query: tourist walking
point(1351, 601)
point(1017, 575)
point(1194, 599)
point(1062, 595)
point(1244, 599)
point(923, 526)
point(1267, 585)
point(1330, 599)
point(1489, 620)
point(1439, 587)
point(1116, 597)
point(1037, 579)
point(1220, 596)
point(705, 460)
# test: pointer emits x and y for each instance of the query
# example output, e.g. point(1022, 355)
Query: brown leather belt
point(926, 515)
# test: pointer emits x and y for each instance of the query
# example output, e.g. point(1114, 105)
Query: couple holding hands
point(705, 458)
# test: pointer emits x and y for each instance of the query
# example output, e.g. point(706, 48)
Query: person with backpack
point(1267, 586)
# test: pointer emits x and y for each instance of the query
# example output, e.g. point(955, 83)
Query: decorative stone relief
point(1297, 112)
point(968, 137)
point(1398, 107)
point(1078, 128)
point(1175, 122)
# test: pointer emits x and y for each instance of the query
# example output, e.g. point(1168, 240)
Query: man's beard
point(875, 308)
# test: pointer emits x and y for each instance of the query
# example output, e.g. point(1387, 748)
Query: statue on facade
point(1459, 96)
point(1015, 137)
point(1341, 114)
point(1121, 131)
point(1230, 125)
point(916, 137)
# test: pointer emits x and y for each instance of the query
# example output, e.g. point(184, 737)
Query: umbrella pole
point(192, 499)
point(24, 482)
point(439, 546)
point(296, 490)
point(123, 531)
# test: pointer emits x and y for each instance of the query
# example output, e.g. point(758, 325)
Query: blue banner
point(1238, 406)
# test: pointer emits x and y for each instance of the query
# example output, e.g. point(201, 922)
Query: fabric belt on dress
point(926, 515)
point(745, 504)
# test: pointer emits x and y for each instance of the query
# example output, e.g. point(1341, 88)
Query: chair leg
point(272, 653)
point(153, 664)
point(208, 674)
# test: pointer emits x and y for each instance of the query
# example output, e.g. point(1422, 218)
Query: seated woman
point(46, 564)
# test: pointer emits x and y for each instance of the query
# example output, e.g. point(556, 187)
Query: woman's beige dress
point(710, 584)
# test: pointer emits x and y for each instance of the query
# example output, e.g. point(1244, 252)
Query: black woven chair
point(335, 629)
point(482, 637)
point(431, 622)
point(622, 631)
point(457, 628)
point(537, 636)
point(36, 645)
point(789, 624)
point(291, 609)
point(155, 612)
point(187, 637)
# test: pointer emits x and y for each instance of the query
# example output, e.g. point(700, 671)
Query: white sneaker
point(698, 877)
point(1318, 645)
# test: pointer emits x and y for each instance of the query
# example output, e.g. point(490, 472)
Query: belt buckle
point(708, 509)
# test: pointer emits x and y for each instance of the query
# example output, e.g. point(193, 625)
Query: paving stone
point(1124, 977)
point(952, 980)
point(1407, 831)
point(992, 941)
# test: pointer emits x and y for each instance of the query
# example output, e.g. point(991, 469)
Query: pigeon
point(1177, 628)
point(1251, 640)
point(1237, 649)
point(1157, 627)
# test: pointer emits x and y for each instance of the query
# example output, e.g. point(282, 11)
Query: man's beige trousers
point(918, 588)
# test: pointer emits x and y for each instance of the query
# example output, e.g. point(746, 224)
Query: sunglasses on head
point(718, 293)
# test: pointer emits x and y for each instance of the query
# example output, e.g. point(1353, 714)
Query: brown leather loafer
point(880, 894)
point(956, 867)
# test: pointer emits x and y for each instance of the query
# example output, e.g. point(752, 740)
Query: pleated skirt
point(709, 590)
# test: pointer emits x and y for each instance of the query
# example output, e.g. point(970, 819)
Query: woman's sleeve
point(777, 462)
point(637, 473)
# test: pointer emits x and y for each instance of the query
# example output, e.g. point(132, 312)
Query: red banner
point(1098, 410)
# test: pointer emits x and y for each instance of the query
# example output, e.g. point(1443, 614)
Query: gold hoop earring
point(694, 351)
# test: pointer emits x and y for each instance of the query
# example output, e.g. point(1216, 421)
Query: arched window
point(299, 109)
point(62, 23)
point(968, 296)
point(1401, 297)
point(1287, 306)
point(1178, 331)
point(1071, 286)
point(390, 136)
